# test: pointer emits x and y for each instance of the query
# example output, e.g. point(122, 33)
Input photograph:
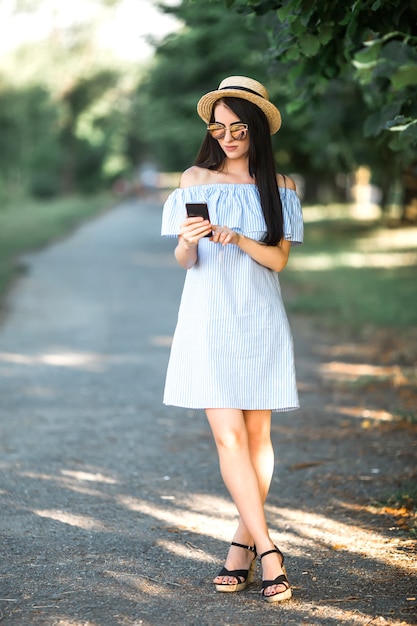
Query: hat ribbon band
point(243, 89)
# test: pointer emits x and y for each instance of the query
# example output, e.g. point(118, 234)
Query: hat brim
point(206, 103)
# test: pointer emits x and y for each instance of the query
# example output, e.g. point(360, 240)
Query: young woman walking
point(232, 352)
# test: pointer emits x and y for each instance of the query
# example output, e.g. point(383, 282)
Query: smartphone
point(198, 209)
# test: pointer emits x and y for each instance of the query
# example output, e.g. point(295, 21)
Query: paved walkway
point(112, 508)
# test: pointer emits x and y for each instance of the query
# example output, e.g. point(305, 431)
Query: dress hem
point(200, 408)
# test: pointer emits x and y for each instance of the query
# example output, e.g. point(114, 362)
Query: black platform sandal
point(246, 574)
point(279, 580)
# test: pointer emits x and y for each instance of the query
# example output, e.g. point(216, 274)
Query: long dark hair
point(261, 163)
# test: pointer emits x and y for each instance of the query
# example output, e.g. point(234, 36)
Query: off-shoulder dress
point(232, 346)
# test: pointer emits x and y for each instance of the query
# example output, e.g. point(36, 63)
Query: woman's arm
point(185, 253)
point(193, 228)
point(273, 257)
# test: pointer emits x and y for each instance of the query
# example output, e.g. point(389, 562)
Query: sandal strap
point(279, 580)
point(241, 545)
point(236, 573)
point(274, 550)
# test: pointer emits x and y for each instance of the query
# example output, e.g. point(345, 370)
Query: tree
point(30, 155)
point(323, 40)
point(370, 42)
point(69, 104)
point(213, 43)
point(88, 129)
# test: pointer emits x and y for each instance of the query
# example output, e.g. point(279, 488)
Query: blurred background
point(98, 102)
point(98, 108)
point(101, 94)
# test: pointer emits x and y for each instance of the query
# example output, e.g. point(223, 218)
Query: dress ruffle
point(235, 206)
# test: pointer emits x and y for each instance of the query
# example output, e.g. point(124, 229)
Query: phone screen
point(198, 209)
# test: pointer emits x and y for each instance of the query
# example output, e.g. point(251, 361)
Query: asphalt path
point(112, 507)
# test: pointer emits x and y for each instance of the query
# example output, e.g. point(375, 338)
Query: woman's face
point(233, 148)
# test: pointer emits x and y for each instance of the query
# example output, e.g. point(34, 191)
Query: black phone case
point(198, 209)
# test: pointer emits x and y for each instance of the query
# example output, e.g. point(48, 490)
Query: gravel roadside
point(112, 507)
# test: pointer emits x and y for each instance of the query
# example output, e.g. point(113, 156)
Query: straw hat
point(241, 87)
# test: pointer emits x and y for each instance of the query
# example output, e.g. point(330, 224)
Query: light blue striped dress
point(232, 346)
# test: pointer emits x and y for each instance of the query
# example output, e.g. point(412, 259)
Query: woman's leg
point(246, 463)
point(258, 427)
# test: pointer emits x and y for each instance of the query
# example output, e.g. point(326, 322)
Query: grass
point(27, 224)
point(355, 274)
point(358, 281)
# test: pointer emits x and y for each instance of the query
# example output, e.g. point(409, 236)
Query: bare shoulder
point(285, 181)
point(196, 176)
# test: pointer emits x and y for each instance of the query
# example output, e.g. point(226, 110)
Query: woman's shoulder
point(196, 175)
point(285, 182)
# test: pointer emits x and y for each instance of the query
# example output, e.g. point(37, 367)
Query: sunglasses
point(237, 130)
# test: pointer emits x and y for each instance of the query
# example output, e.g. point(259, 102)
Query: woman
point(232, 351)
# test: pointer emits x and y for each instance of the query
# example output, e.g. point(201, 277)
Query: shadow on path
point(112, 508)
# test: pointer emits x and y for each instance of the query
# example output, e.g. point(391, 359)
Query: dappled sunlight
point(78, 482)
point(85, 522)
point(390, 239)
point(310, 529)
point(330, 212)
point(362, 412)
point(382, 248)
point(402, 515)
point(221, 525)
point(340, 370)
point(89, 477)
point(212, 516)
point(186, 550)
point(183, 562)
point(325, 261)
point(210, 505)
point(86, 361)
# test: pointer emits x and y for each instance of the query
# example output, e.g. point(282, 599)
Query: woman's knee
point(259, 441)
point(229, 428)
point(230, 439)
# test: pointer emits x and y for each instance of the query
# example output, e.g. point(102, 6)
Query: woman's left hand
point(224, 235)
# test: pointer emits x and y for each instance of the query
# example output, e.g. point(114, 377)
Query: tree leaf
point(402, 126)
point(293, 53)
point(294, 106)
point(367, 56)
point(288, 10)
point(326, 33)
point(310, 45)
point(404, 76)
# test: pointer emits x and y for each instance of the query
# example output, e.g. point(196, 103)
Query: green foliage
point(339, 280)
point(89, 128)
point(30, 154)
point(316, 42)
point(60, 143)
point(63, 105)
point(213, 43)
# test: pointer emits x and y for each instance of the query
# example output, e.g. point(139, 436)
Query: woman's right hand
point(193, 229)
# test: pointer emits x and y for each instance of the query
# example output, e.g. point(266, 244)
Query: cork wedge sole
point(279, 580)
point(246, 574)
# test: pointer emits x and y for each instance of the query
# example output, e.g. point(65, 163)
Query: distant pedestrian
point(232, 352)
